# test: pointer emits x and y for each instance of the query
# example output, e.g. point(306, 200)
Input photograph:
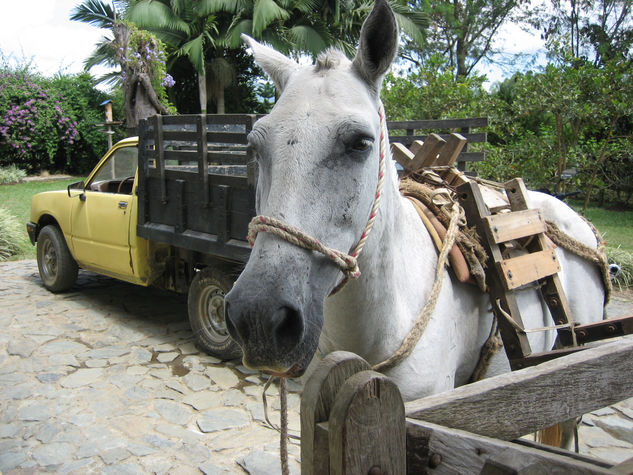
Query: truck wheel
point(206, 313)
point(57, 267)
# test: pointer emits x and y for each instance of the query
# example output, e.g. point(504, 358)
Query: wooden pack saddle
point(501, 230)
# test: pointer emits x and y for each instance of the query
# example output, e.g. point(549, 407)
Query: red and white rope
point(346, 262)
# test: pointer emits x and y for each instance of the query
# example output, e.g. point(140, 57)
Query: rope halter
point(348, 263)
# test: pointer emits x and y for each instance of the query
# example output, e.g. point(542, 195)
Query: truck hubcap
point(50, 259)
point(213, 306)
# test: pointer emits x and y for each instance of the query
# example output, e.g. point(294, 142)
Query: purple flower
point(168, 81)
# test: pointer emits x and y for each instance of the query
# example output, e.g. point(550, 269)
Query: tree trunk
point(202, 88)
point(219, 98)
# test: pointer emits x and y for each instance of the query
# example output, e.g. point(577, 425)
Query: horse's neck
point(397, 267)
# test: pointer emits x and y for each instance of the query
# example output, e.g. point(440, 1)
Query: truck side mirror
point(78, 185)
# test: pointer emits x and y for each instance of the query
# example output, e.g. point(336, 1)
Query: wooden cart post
point(352, 420)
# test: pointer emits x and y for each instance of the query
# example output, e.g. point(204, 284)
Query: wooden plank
point(452, 451)
point(601, 330)
point(471, 157)
point(451, 150)
point(438, 123)
point(402, 155)
point(227, 137)
point(515, 344)
point(522, 270)
point(427, 154)
point(416, 146)
point(511, 405)
point(505, 227)
point(552, 290)
point(318, 397)
point(367, 427)
point(473, 137)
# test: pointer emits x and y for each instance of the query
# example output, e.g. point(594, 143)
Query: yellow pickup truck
point(169, 208)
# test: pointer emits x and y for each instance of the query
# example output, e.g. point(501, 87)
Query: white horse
point(318, 153)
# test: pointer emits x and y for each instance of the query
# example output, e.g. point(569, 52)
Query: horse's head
point(318, 153)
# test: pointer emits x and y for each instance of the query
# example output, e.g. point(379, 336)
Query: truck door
point(101, 217)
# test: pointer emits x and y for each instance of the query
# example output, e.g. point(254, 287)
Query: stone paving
point(106, 379)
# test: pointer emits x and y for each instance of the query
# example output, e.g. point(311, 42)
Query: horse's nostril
point(288, 328)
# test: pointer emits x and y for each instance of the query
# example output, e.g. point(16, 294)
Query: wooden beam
point(457, 451)
point(451, 150)
point(528, 268)
point(426, 156)
point(367, 427)
point(402, 155)
point(505, 227)
point(518, 403)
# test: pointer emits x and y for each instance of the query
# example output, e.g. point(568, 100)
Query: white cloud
point(41, 31)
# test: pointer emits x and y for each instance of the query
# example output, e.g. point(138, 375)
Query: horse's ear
point(275, 64)
point(378, 44)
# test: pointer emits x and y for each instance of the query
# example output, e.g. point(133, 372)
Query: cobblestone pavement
point(106, 379)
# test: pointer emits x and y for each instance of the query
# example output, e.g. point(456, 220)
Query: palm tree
point(310, 26)
point(138, 76)
point(102, 15)
point(187, 26)
point(201, 30)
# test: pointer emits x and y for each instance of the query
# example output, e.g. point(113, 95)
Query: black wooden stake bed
point(197, 183)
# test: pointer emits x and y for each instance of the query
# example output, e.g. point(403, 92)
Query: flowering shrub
point(49, 123)
point(145, 53)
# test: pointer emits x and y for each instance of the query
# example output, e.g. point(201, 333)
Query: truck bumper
point(31, 228)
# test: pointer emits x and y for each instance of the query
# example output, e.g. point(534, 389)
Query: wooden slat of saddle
point(528, 268)
point(505, 227)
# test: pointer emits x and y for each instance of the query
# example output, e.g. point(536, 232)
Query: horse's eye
point(361, 144)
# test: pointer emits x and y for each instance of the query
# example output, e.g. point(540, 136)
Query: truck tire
point(206, 313)
point(58, 269)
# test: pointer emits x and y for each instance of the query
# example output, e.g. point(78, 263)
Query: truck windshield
point(120, 165)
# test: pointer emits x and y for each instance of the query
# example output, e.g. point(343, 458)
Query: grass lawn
point(616, 226)
point(17, 199)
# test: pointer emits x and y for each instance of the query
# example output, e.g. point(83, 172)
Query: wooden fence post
point(352, 420)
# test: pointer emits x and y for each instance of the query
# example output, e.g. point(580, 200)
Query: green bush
point(10, 235)
point(49, 124)
point(11, 174)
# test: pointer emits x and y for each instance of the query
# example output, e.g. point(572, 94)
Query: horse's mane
point(329, 59)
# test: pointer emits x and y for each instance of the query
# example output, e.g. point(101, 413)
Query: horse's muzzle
point(271, 333)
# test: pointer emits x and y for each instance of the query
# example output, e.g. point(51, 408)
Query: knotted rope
point(596, 256)
point(411, 340)
point(346, 262)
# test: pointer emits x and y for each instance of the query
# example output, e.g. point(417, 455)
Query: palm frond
point(266, 12)
point(233, 36)
point(414, 28)
point(307, 39)
point(94, 12)
point(194, 51)
point(103, 54)
point(152, 14)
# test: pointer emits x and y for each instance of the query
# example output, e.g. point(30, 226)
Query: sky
point(41, 31)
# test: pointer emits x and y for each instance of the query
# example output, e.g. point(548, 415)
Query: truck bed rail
point(196, 184)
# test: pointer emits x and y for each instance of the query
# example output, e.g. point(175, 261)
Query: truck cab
point(97, 219)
